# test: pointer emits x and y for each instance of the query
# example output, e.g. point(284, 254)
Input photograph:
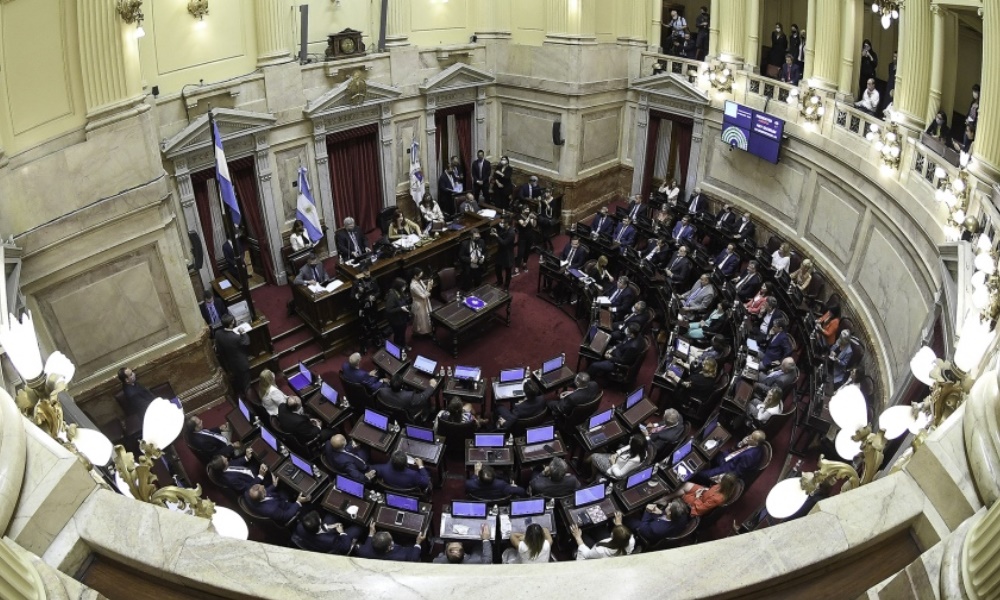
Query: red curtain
point(201, 201)
point(463, 131)
point(245, 183)
point(683, 133)
point(356, 175)
point(652, 133)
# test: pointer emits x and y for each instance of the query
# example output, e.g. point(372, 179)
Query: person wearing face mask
point(603, 224)
point(869, 62)
point(794, 42)
point(503, 187)
point(449, 184)
point(779, 47)
point(938, 129)
point(973, 107)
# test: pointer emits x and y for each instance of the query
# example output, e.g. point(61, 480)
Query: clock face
point(347, 45)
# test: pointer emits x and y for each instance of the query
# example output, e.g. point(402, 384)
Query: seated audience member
point(529, 190)
point(457, 412)
point(396, 473)
point(636, 208)
point(625, 234)
point(137, 396)
point(840, 357)
point(620, 543)
point(573, 254)
point(236, 474)
point(702, 381)
point(728, 262)
point(638, 314)
point(699, 297)
point(532, 405)
point(415, 404)
point(656, 253)
point(455, 554)
point(827, 326)
point(485, 486)
point(683, 232)
point(783, 376)
point(312, 272)
point(741, 462)
point(380, 546)
point(761, 410)
point(532, 546)
point(347, 458)
point(869, 99)
point(598, 271)
point(662, 219)
point(671, 190)
point(745, 229)
point(712, 324)
point(299, 238)
point(468, 205)
point(351, 242)
point(667, 434)
point(727, 221)
point(778, 345)
point(697, 203)
point(270, 396)
point(554, 481)
point(212, 308)
point(211, 442)
point(269, 502)
point(603, 224)
point(938, 129)
point(430, 212)
point(585, 391)
point(781, 258)
point(702, 500)
point(297, 424)
point(717, 351)
point(964, 145)
point(402, 227)
point(621, 299)
point(621, 463)
point(661, 520)
point(353, 373)
point(790, 72)
point(326, 535)
point(802, 276)
point(768, 315)
point(625, 353)
point(759, 300)
point(748, 282)
point(679, 267)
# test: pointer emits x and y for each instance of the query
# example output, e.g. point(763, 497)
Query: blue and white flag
point(416, 174)
point(305, 210)
point(222, 175)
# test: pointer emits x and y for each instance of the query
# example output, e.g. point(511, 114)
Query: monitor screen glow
point(269, 438)
point(329, 393)
point(401, 502)
point(376, 420)
point(681, 452)
point(552, 364)
point(489, 440)
point(512, 375)
point(601, 418)
point(419, 433)
point(243, 409)
point(589, 495)
point(534, 506)
point(301, 463)
point(467, 373)
point(349, 486)
point(425, 365)
point(393, 350)
point(634, 398)
point(537, 435)
point(641, 477)
point(476, 510)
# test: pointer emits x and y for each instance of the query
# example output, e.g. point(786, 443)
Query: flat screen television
point(752, 131)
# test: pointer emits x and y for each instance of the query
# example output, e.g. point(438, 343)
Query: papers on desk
point(489, 213)
point(752, 345)
point(243, 328)
point(603, 300)
point(459, 529)
point(407, 242)
point(752, 363)
point(329, 287)
point(225, 285)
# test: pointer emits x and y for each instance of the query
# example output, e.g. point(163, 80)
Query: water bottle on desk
point(403, 354)
point(441, 372)
point(449, 371)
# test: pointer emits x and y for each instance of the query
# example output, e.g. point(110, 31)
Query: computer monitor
point(419, 433)
point(489, 440)
point(641, 477)
point(301, 463)
point(269, 439)
point(709, 428)
point(329, 393)
point(634, 398)
point(305, 372)
point(681, 452)
point(425, 365)
point(301, 379)
point(401, 502)
point(467, 373)
point(376, 420)
point(683, 347)
point(475, 510)
point(512, 375)
point(526, 508)
point(601, 418)
point(393, 350)
point(349, 486)
point(589, 495)
point(538, 435)
point(243, 409)
point(552, 364)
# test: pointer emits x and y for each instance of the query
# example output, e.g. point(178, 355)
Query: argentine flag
point(222, 175)
point(416, 174)
point(305, 211)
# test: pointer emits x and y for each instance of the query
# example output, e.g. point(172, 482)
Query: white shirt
point(273, 399)
point(523, 554)
point(300, 241)
point(763, 414)
point(598, 551)
point(869, 100)
point(433, 213)
point(779, 262)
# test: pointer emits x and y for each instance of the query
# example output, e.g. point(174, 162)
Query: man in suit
point(699, 297)
point(236, 474)
point(603, 224)
point(325, 535)
point(209, 442)
point(638, 315)
point(532, 404)
point(636, 209)
point(449, 184)
point(298, 425)
point(585, 390)
point(347, 458)
point(529, 190)
point(268, 502)
point(484, 485)
point(481, 170)
point(624, 235)
point(312, 272)
point(137, 396)
point(784, 377)
point(380, 546)
point(778, 346)
point(625, 353)
point(351, 242)
point(790, 72)
point(212, 308)
point(667, 434)
point(748, 282)
point(658, 523)
point(469, 204)
point(232, 251)
point(472, 253)
point(768, 315)
point(455, 554)
point(504, 235)
point(554, 481)
point(353, 373)
point(728, 262)
point(656, 253)
point(740, 462)
point(396, 473)
point(415, 404)
point(726, 221)
point(231, 347)
point(679, 268)
point(573, 254)
point(840, 356)
point(683, 232)
point(697, 203)
point(745, 229)
point(621, 298)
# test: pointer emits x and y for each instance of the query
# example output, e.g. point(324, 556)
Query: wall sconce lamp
point(810, 104)
point(198, 9)
point(888, 9)
point(886, 142)
point(789, 495)
point(131, 12)
point(721, 79)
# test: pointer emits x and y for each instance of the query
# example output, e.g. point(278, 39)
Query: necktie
point(569, 258)
point(315, 274)
point(354, 242)
point(213, 315)
point(615, 295)
point(744, 281)
point(600, 224)
point(621, 232)
point(673, 263)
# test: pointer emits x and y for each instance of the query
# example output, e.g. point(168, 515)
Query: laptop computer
point(752, 346)
point(329, 393)
point(467, 374)
point(378, 421)
point(418, 442)
point(682, 452)
point(639, 478)
point(683, 348)
point(244, 410)
point(551, 367)
point(469, 510)
point(634, 398)
point(302, 379)
point(350, 487)
point(589, 495)
point(425, 365)
point(489, 440)
point(595, 434)
point(269, 439)
point(599, 343)
point(402, 502)
point(419, 433)
point(527, 508)
point(709, 428)
point(511, 383)
point(536, 438)
point(393, 350)
point(298, 468)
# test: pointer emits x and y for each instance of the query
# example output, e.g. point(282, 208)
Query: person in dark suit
point(658, 523)
point(397, 311)
point(231, 348)
point(529, 190)
point(472, 254)
point(455, 552)
point(638, 315)
point(209, 442)
point(702, 381)
point(312, 272)
point(584, 391)
point(748, 282)
point(232, 252)
point(268, 502)
point(325, 534)
point(678, 270)
point(379, 546)
point(938, 129)
point(449, 184)
point(636, 208)
point(625, 353)
point(745, 229)
point(664, 436)
point(624, 234)
point(697, 203)
point(790, 72)
point(554, 481)
point(573, 254)
point(504, 235)
point(778, 346)
point(622, 298)
point(602, 223)
point(683, 232)
point(236, 474)
point(137, 396)
point(353, 372)
point(484, 485)
point(298, 425)
point(656, 253)
point(396, 473)
point(503, 188)
point(784, 377)
point(726, 221)
point(740, 462)
point(766, 317)
point(347, 458)
point(416, 404)
point(481, 170)
point(531, 406)
point(351, 242)
point(728, 262)
point(212, 308)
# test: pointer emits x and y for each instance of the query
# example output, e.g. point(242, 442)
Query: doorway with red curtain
point(215, 222)
point(462, 134)
point(356, 175)
point(675, 151)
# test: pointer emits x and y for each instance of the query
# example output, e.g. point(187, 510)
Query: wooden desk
point(387, 363)
point(239, 426)
point(475, 526)
point(337, 503)
point(414, 523)
point(557, 380)
point(509, 524)
point(265, 455)
point(720, 435)
point(502, 457)
point(418, 380)
point(260, 353)
point(231, 293)
point(587, 516)
point(642, 494)
point(639, 412)
point(536, 453)
point(306, 484)
point(468, 393)
point(377, 439)
point(613, 430)
point(458, 319)
point(329, 413)
point(332, 316)
point(693, 463)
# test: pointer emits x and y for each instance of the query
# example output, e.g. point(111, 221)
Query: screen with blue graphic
point(754, 132)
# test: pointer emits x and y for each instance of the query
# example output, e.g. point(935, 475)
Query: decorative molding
point(237, 128)
point(456, 77)
point(671, 91)
point(340, 102)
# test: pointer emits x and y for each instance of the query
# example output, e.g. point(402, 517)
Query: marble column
point(656, 24)
point(571, 22)
point(272, 226)
point(986, 149)
point(825, 36)
point(109, 57)
point(912, 75)
point(937, 63)
point(950, 64)
point(397, 25)
point(632, 19)
point(19, 580)
point(641, 139)
point(494, 20)
point(848, 37)
point(325, 186)
point(733, 31)
point(980, 556)
point(388, 158)
point(273, 32)
point(480, 142)
point(430, 166)
point(185, 189)
point(752, 52)
point(810, 54)
point(713, 27)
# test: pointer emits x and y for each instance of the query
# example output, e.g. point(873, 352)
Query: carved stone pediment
point(344, 98)
point(233, 124)
point(455, 77)
point(670, 86)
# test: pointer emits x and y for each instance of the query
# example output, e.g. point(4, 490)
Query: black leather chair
point(684, 537)
point(357, 394)
point(455, 435)
point(625, 374)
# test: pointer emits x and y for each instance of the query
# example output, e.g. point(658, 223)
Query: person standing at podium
point(233, 356)
point(420, 292)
